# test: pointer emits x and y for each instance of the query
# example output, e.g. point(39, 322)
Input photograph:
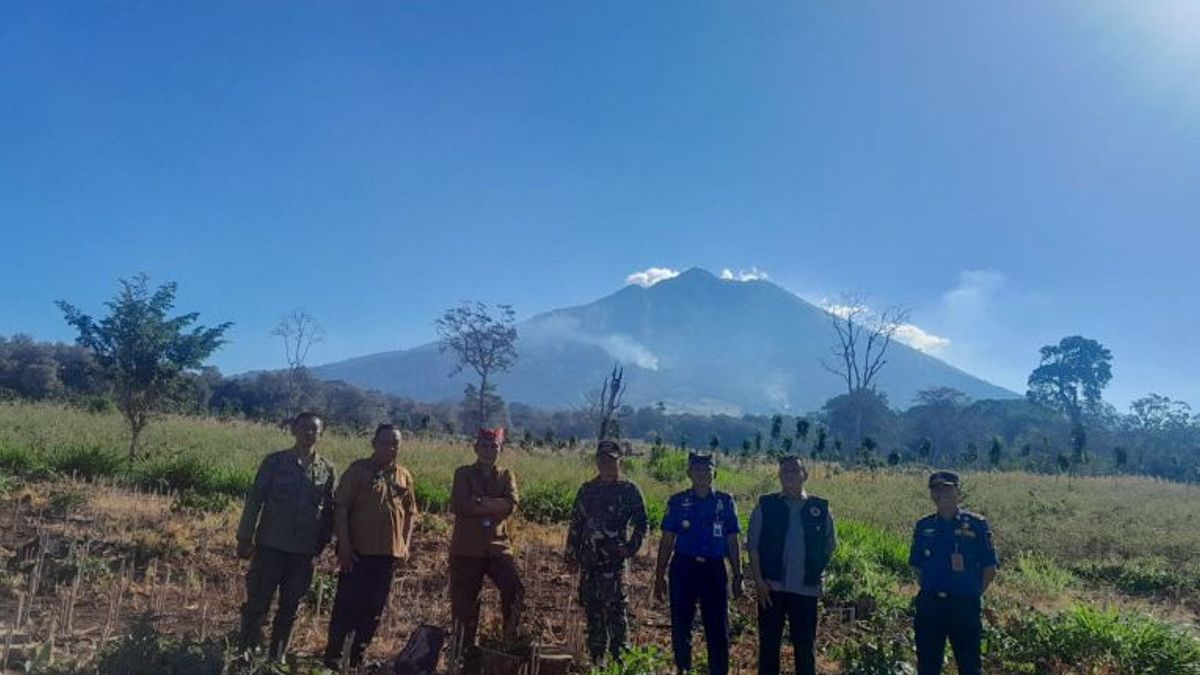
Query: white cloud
point(908, 333)
point(649, 277)
point(971, 298)
point(753, 274)
point(920, 339)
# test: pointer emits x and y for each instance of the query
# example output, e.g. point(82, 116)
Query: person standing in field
point(699, 532)
point(287, 520)
point(599, 542)
point(375, 512)
point(955, 562)
point(482, 498)
point(791, 541)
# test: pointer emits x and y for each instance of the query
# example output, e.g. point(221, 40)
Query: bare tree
point(604, 405)
point(299, 332)
point(863, 339)
point(482, 341)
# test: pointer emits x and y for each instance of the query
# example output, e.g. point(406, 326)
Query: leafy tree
point(819, 445)
point(802, 428)
point(996, 452)
point(776, 430)
point(1070, 379)
point(972, 454)
point(142, 351)
point(925, 449)
point(893, 458)
point(714, 443)
point(482, 341)
point(858, 415)
point(1120, 457)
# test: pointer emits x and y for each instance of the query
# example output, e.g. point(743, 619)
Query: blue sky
point(1014, 172)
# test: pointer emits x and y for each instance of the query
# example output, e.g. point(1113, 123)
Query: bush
point(874, 654)
point(88, 462)
point(190, 501)
point(146, 651)
point(548, 502)
point(667, 466)
point(189, 473)
point(1138, 577)
point(647, 660)
point(432, 497)
point(17, 461)
point(1121, 642)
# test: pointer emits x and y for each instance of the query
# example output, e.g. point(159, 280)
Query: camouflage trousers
point(602, 594)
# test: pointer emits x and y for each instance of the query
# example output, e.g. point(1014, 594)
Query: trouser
point(800, 613)
point(956, 617)
point(704, 581)
point(466, 581)
point(362, 593)
point(270, 570)
point(602, 594)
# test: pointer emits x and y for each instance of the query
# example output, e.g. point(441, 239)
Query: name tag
point(956, 562)
point(718, 529)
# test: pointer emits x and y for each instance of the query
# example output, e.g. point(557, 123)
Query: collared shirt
point(793, 547)
point(601, 519)
point(480, 536)
point(290, 505)
point(700, 524)
point(380, 504)
point(937, 540)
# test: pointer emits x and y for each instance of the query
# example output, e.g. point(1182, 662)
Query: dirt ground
point(83, 558)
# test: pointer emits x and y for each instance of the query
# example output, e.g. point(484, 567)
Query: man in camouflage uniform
point(286, 522)
point(605, 508)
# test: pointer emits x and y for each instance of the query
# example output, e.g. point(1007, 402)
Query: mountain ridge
point(695, 342)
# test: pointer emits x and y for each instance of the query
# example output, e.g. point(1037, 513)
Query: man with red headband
point(482, 499)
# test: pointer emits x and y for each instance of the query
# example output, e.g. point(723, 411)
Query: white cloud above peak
point(649, 277)
point(753, 274)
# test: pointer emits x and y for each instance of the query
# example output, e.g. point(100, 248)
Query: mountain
point(694, 342)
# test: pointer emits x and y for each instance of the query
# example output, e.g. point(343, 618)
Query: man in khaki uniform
point(483, 497)
point(375, 511)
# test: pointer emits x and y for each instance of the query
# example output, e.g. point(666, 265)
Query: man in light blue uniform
point(700, 531)
point(955, 561)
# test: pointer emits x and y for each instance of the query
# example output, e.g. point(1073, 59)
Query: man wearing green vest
point(791, 542)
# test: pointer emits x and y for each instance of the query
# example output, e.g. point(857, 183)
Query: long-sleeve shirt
point(480, 536)
point(605, 516)
point(290, 506)
point(793, 548)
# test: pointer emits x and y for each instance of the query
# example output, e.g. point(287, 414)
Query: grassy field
point(1099, 575)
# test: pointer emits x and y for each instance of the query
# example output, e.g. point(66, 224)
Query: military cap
point(940, 478)
point(608, 448)
point(698, 459)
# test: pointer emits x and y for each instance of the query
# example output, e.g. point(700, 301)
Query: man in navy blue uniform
point(700, 531)
point(955, 561)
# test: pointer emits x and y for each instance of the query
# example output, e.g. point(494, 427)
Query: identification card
point(718, 529)
point(956, 562)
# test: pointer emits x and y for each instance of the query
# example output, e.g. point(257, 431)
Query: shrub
point(18, 461)
point(1137, 577)
point(548, 502)
point(146, 651)
point(86, 462)
point(1123, 642)
point(874, 654)
point(667, 466)
point(432, 497)
point(646, 660)
point(190, 501)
